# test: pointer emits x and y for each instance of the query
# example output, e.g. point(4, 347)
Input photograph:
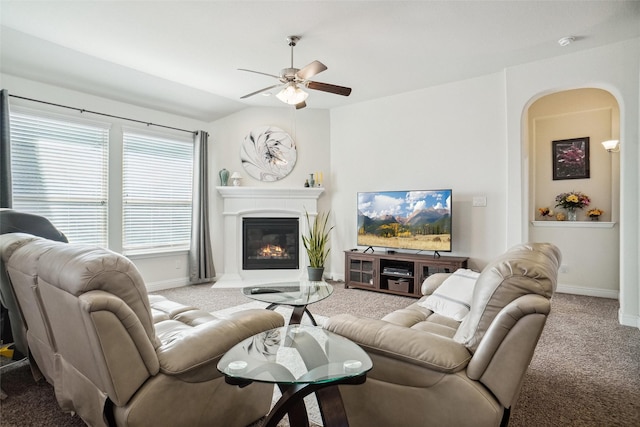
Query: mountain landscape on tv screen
point(405, 220)
point(426, 221)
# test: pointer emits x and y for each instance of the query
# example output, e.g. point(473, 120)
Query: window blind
point(59, 170)
point(157, 191)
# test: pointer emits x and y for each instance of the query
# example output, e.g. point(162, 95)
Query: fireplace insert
point(270, 243)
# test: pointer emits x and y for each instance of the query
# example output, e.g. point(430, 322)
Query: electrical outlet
point(563, 268)
point(178, 264)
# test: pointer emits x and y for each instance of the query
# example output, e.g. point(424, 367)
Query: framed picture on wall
point(570, 158)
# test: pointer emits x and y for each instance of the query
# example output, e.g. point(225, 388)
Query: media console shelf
point(398, 273)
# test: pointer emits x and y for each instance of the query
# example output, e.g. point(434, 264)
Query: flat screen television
point(419, 220)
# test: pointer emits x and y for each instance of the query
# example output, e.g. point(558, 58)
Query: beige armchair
point(118, 357)
point(429, 369)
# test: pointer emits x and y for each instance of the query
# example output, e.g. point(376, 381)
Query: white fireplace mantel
point(270, 193)
point(240, 202)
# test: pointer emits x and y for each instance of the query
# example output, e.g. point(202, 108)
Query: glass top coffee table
point(297, 294)
point(301, 360)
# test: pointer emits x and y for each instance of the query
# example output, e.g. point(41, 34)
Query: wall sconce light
point(235, 179)
point(612, 145)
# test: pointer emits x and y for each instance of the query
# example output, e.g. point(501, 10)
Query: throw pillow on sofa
point(453, 298)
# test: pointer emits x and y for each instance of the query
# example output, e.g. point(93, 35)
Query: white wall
point(450, 136)
point(158, 271)
point(472, 136)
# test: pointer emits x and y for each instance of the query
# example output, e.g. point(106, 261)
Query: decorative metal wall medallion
point(268, 153)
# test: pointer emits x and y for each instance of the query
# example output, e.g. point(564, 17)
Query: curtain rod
point(82, 110)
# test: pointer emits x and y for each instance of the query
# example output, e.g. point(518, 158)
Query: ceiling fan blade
point(310, 70)
point(258, 91)
point(301, 105)
point(259, 72)
point(326, 87)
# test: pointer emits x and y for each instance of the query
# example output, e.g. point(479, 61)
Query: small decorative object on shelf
point(545, 213)
point(572, 201)
point(235, 178)
point(312, 181)
point(306, 183)
point(594, 214)
point(224, 177)
point(560, 216)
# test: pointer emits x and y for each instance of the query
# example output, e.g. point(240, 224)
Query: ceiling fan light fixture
point(292, 94)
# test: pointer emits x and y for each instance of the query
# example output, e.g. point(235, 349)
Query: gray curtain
point(201, 267)
point(6, 200)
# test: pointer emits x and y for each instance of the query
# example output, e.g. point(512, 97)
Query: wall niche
point(591, 259)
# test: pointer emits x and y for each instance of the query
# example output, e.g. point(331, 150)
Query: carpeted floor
point(586, 368)
point(585, 371)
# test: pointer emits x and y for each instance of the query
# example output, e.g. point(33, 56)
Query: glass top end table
point(297, 294)
point(301, 360)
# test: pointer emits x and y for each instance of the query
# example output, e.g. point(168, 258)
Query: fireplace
point(240, 203)
point(270, 243)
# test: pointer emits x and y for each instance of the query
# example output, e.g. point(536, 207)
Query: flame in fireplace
point(272, 251)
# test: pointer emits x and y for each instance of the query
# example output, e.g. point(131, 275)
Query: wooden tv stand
point(397, 273)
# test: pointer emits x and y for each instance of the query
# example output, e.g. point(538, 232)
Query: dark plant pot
point(315, 273)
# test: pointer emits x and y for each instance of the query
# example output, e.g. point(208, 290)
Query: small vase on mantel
point(572, 215)
point(224, 177)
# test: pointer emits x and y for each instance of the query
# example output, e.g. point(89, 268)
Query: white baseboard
point(166, 284)
point(590, 292)
point(628, 320)
point(334, 276)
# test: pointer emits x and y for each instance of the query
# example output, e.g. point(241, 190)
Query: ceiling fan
point(292, 80)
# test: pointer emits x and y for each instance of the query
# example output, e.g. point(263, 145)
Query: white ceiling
point(182, 56)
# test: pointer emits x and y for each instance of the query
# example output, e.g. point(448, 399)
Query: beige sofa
point(116, 356)
point(432, 370)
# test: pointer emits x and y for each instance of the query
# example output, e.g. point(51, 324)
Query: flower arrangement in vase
point(572, 201)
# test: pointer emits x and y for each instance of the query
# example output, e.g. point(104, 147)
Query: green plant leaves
point(317, 242)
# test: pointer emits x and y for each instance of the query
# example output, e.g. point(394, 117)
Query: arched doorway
point(591, 250)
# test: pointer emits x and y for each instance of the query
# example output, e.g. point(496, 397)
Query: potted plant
point(316, 244)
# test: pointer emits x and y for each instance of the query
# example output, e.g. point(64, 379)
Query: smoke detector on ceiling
point(566, 41)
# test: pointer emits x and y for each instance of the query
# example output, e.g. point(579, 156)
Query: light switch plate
point(479, 201)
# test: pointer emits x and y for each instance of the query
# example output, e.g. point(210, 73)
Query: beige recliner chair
point(116, 356)
point(429, 369)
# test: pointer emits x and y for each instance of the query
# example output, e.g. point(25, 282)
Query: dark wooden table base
point(329, 400)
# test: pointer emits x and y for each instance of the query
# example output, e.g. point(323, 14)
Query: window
point(157, 187)
point(59, 171)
